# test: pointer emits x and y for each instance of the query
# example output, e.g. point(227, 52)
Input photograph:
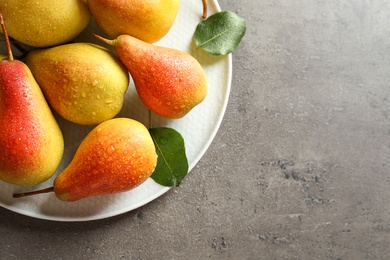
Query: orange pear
point(146, 20)
point(170, 82)
point(31, 142)
point(116, 156)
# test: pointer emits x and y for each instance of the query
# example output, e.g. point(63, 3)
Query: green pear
point(31, 142)
point(45, 23)
point(116, 156)
point(170, 82)
point(83, 82)
point(2, 57)
point(146, 20)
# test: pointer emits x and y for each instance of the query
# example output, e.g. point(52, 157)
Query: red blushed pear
point(116, 156)
point(31, 142)
point(170, 82)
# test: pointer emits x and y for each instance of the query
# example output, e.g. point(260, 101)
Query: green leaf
point(172, 164)
point(220, 33)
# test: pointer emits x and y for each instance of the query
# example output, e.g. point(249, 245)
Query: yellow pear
point(45, 23)
point(31, 142)
point(83, 82)
point(146, 20)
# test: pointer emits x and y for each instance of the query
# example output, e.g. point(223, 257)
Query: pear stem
point(100, 38)
point(204, 16)
point(7, 41)
point(25, 194)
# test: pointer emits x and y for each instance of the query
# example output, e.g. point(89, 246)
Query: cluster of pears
point(85, 83)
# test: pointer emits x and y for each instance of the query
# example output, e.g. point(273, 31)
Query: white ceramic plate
point(198, 129)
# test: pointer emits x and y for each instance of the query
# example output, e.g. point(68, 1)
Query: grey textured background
point(298, 169)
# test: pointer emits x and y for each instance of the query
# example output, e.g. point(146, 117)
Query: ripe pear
point(146, 20)
point(31, 142)
point(170, 82)
point(116, 156)
point(45, 23)
point(83, 82)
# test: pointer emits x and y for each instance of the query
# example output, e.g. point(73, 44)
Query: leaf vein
point(162, 154)
point(214, 37)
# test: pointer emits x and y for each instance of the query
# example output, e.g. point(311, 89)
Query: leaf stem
point(204, 16)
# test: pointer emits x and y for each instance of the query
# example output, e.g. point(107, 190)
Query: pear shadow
point(48, 206)
point(205, 58)
point(85, 208)
point(133, 107)
point(87, 35)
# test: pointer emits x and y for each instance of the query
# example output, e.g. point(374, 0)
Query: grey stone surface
point(299, 168)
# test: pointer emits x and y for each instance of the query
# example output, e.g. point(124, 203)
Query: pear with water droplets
point(146, 20)
point(116, 156)
point(31, 142)
point(83, 82)
point(45, 23)
point(170, 82)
